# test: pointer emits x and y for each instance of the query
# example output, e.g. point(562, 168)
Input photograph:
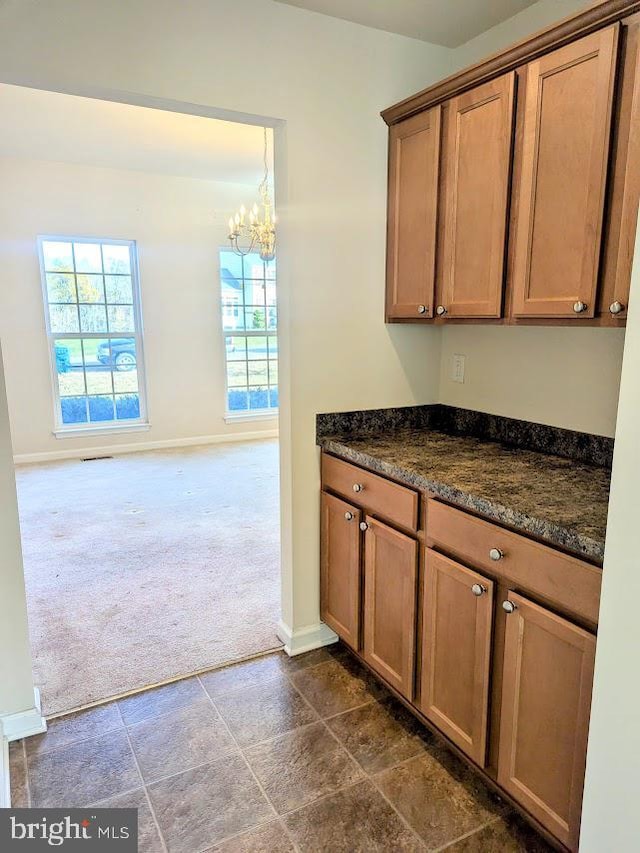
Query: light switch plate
point(457, 368)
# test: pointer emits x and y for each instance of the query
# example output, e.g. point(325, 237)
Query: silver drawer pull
point(364, 526)
point(509, 606)
point(358, 487)
point(496, 554)
point(349, 516)
point(478, 589)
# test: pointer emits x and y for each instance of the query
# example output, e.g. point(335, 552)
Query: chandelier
point(259, 233)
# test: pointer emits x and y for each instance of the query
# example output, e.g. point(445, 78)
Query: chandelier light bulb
point(259, 234)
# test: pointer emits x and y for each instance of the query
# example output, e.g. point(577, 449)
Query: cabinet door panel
point(340, 568)
point(477, 163)
point(456, 652)
point(624, 190)
point(546, 700)
point(414, 153)
point(559, 209)
point(390, 598)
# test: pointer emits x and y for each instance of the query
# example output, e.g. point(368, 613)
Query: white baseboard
point(5, 780)
point(301, 640)
point(24, 723)
point(117, 449)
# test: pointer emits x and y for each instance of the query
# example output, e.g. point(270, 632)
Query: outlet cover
point(457, 368)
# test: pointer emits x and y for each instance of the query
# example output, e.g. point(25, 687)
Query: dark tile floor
point(276, 754)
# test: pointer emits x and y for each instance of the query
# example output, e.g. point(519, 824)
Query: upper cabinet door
point(624, 183)
point(562, 172)
point(546, 701)
point(478, 132)
point(414, 153)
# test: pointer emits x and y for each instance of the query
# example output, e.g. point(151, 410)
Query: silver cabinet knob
point(496, 554)
point(364, 526)
point(441, 310)
point(349, 516)
point(358, 487)
point(508, 606)
point(478, 589)
point(616, 308)
point(579, 307)
point(422, 309)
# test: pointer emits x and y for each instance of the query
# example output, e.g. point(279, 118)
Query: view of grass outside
point(89, 292)
point(249, 313)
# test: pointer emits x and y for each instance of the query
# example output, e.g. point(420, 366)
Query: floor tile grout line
point(364, 775)
point(355, 708)
point(234, 691)
point(322, 797)
point(144, 786)
point(315, 710)
point(98, 804)
point(244, 758)
point(150, 782)
point(192, 701)
point(370, 779)
point(469, 834)
point(74, 742)
point(243, 833)
point(249, 746)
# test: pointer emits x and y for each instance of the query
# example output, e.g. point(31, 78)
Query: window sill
point(260, 415)
point(75, 432)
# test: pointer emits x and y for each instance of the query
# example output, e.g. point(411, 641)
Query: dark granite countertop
point(559, 500)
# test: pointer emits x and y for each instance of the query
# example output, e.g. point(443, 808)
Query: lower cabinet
point(456, 652)
point(390, 604)
point(546, 700)
point(340, 568)
point(379, 597)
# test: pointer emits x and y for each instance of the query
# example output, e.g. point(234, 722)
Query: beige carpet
point(148, 566)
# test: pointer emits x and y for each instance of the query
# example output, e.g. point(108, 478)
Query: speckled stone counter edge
point(554, 534)
point(580, 446)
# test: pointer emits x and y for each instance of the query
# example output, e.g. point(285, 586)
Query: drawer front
point(567, 581)
point(378, 496)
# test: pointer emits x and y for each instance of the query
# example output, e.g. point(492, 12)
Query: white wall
point(16, 688)
point(535, 17)
point(610, 818)
point(179, 224)
point(565, 377)
point(327, 80)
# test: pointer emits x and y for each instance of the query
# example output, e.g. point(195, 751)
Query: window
point(92, 314)
point(249, 320)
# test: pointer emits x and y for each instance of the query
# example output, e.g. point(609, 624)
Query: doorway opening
point(141, 363)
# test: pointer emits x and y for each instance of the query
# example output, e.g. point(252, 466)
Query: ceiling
point(50, 126)
point(437, 21)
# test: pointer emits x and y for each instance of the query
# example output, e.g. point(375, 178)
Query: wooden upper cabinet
point(390, 604)
point(624, 184)
point(456, 652)
point(476, 169)
point(546, 700)
point(340, 568)
point(560, 187)
point(414, 152)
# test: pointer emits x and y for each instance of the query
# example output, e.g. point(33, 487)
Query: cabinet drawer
point(566, 581)
point(377, 495)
